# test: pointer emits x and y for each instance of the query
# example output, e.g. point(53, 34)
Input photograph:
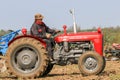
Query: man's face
point(39, 20)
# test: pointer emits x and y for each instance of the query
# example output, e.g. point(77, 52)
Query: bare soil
point(71, 72)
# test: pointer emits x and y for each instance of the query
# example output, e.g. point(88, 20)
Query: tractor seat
point(116, 45)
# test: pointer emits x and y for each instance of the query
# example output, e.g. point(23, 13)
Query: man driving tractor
point(39, 29)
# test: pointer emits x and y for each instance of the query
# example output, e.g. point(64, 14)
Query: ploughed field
point(71, 72)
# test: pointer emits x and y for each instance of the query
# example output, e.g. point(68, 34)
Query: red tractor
point(27, 57)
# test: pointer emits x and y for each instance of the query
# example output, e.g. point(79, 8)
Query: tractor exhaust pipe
point(72, 11)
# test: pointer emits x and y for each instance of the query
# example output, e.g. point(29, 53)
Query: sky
point(16, 14)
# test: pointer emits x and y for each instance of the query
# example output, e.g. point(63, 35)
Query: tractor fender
point(30, 36)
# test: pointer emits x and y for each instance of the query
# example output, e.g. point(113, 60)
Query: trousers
point(49, 47)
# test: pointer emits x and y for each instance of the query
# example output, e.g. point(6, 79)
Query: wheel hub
point(90, 63)
point(26, 59)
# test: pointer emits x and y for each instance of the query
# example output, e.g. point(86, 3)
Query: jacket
point(40, 30)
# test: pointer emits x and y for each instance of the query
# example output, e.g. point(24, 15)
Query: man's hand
point(48, 35)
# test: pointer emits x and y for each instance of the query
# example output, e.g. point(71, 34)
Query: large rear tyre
point(49, 68)
point(26, 58)
point(91, 63)
point(2, 64)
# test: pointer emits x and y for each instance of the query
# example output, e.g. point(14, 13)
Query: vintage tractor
point(26, 56)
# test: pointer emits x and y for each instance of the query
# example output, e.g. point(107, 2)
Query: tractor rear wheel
point(2, 64)
point(49, 68)
point(91, 63)
point(26, 58)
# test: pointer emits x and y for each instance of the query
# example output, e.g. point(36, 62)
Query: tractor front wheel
point(91, 63)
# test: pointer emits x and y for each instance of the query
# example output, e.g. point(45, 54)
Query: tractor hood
point(80, 36)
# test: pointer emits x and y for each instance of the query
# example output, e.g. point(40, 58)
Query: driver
point(39, 29)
